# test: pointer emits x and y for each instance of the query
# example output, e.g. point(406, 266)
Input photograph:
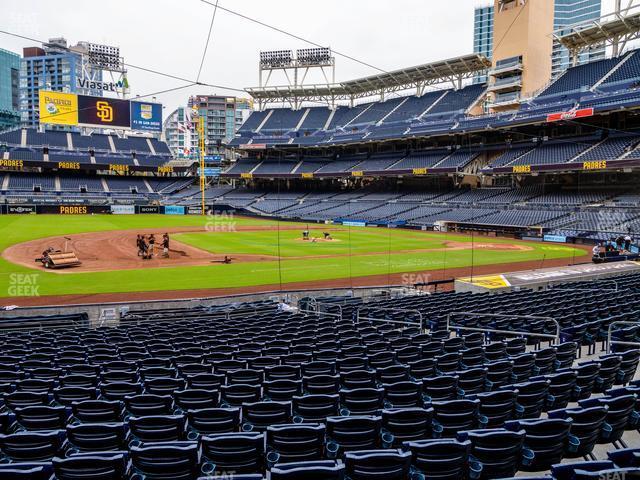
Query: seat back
point(95, 467)
point(166, 461)
point(295, 443)
point(378, 464)
point(233, 452)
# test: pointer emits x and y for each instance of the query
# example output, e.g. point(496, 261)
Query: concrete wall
point(524, 27)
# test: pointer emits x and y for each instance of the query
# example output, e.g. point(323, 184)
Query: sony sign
point(118, 86)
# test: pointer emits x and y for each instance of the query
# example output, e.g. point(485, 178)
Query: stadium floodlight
point(314, 56)
point(276, 58)
point(105, 57)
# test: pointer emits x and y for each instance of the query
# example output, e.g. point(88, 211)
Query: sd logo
point(104, 111)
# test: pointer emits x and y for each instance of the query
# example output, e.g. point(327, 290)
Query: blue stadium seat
point(628, 457)
point(107, 466)
point(96, 437)
point(233, 452)
point(157, 428)
point(147, 404)
point(452, 416)
point(381, 464)
point(260, 415)
point(315, 408)
point(442, 459)
point(346, 434)
point(546, 438)
point(587, 425)
point(499, 451)
point(407, 424)
point(26, 471)
point(165, 461)
point(320, 470)
point(32, 446)
point(295, 443)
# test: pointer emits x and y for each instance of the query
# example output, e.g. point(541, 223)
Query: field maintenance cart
point(52, 258)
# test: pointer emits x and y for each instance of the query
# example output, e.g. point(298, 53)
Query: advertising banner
point(555, 238)
point(123, 209)
point(211, 171)
point(58, 108)
point(173, 210)
point(104, 112)
point(148, 209)
point(194, 210)
point(146, 116)
point(571, 115)
point(21, 209)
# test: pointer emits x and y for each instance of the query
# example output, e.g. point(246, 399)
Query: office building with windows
point(570, 12)
point(55, 66)
point(483, 35)
point(223, 117)
point(9, 90)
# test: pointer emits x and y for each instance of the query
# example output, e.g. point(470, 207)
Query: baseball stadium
point(426, 272)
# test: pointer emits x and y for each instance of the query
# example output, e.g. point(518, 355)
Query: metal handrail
point(545, 336)
point(420, 324)
point(620, 342)
point(314, 304)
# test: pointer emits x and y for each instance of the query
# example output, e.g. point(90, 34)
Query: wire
point(206, 45)
point(138, 67)
point(496, 46)
point(153, 94)
point(293, 35)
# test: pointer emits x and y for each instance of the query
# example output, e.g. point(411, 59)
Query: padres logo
point(104, 111)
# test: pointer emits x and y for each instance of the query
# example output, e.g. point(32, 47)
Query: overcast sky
point(169, 36)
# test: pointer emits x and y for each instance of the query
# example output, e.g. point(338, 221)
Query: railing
point(515, 333)
point(620, 342)
point(420, 323)
point(315, 308)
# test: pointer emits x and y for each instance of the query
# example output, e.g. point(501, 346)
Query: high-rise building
point(9, 90)
point(55, 67)
point(483, 35)
point(223, 117)
point(566, 12)
point(570, 12)
point(181, 134)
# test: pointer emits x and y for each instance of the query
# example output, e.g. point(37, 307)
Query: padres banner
point(58, 108)
point(104, 112)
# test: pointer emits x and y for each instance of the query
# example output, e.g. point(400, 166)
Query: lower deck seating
point(247, 388)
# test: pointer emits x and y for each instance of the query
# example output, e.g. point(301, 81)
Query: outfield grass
point(378, 244)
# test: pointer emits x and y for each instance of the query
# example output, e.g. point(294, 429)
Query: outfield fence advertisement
point(77, 208)
point(174, 210)
point(123, 209)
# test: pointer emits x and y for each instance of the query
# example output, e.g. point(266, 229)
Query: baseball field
point(261, 253)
